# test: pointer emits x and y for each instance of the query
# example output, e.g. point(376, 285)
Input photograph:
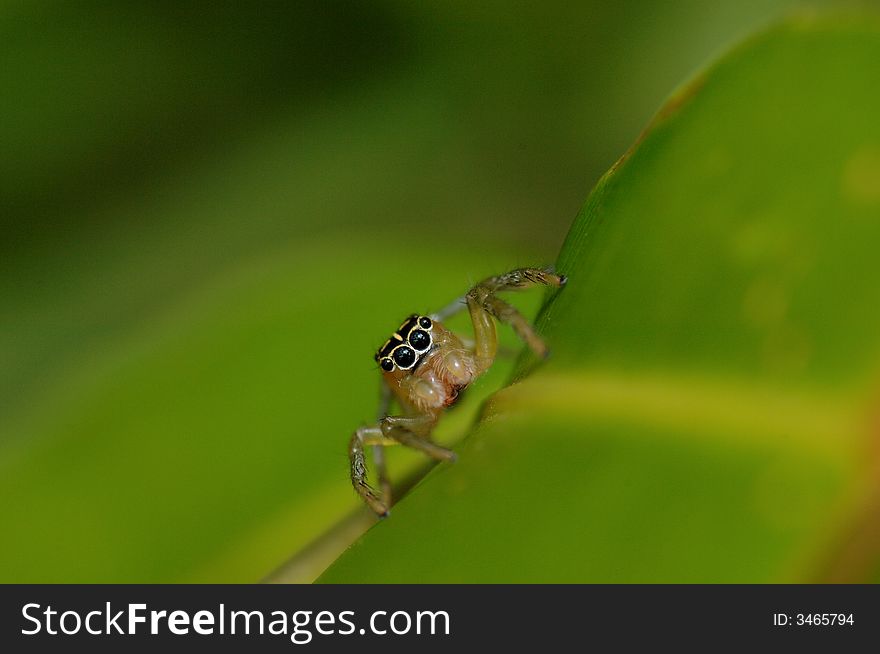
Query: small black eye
point(387, 364)
point(404, 357)
point(420, 340)
point(425, 322)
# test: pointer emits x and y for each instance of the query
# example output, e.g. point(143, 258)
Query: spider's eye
point(404, 357)
point(387, 364)
point(425, 322)
point(420, 340)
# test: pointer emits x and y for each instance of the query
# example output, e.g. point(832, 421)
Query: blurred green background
point(213, 213)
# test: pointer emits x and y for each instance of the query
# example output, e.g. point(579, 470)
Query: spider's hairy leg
point(484, 305)
point(485, 335)
point(366, 436)
point(379, 449)
point(519, 279)
point(523, 328)
point(413, 432)
point(382, 473)
point(509, 281)
point(456, 306)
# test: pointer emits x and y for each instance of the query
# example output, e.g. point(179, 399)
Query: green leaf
point(709, 413)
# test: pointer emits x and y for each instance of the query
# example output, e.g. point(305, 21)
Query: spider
point(425, 367)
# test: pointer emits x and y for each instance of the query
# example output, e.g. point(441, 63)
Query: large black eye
point(420, 340)
point(387, 364)
point(425, 322)
point(404, 357)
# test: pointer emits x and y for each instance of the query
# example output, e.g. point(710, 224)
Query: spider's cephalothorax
point(407, 345)
point(425, 366)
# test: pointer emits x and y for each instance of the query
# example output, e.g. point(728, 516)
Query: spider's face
point(407, 345)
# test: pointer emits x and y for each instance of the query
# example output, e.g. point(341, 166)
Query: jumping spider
point(425, 366)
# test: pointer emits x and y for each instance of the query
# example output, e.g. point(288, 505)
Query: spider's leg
point(503, 351)
point(364, 436)
point(519, 279)
point(509, 281)
point(483, 303)
point(382, 473)
point(413, 432)
point(485, 335)
point(456, 306)
point(523, 328)
point(379, 448)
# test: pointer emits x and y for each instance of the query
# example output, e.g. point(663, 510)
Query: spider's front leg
point(362, 437)
point(391, 430)
point(379, 450)
point(414, 432)
point(484, 305)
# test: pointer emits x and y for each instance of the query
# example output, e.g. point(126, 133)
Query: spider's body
point(425, 366)
point(438, 366)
